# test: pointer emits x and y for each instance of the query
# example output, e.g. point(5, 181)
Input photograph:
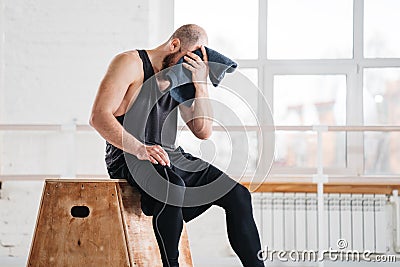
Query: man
point(150, 153)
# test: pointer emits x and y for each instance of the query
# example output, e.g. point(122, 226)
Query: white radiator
point(288, 221)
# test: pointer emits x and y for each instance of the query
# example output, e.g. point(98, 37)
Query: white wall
point(56, 53)
point(2, 20)
point(19, 203)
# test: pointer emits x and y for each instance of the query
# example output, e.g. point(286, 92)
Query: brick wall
point(52, 59)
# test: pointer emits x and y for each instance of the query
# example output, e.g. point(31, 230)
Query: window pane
point(381, 20)
point(310, 99)
point(232, 26)
point(382, 96)
point(299, 149)
point(234, 101)
point(381, 107)
point(309, 29)
point(382, 152)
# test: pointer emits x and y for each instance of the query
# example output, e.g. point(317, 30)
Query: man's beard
point(167, 61)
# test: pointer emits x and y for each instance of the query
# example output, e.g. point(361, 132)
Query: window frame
point(353, 68)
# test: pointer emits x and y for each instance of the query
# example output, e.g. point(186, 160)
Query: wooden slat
point(335, 185)
point(140, 231)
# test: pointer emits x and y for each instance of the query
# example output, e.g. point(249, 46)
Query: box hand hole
point(80, 211)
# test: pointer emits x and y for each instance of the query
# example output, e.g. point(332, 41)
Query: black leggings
point(242, 232)
point(168, 219)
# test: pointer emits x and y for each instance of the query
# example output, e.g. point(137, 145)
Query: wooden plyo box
point(96, 223)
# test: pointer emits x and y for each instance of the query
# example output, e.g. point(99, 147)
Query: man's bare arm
point(123, 71)
point(199, 116)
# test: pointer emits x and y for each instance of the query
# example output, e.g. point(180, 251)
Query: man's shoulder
point(130, 57)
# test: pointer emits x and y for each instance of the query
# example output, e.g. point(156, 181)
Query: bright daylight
point(167, 133)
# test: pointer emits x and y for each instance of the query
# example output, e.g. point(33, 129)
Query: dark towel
point(178, 74)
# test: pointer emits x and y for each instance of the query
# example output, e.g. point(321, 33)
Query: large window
point(318, 63)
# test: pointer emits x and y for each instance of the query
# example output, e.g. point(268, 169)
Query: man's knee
point(242, 193)
point(238, 196)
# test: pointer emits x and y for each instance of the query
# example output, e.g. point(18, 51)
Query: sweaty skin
point(122, 83)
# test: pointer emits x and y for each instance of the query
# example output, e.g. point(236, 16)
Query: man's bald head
point(186, 38)
point(190, 35)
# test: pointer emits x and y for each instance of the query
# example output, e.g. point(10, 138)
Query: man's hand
point(155, 154)
point(197, 66)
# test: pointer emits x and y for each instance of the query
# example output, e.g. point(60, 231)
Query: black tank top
point(152, 118)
